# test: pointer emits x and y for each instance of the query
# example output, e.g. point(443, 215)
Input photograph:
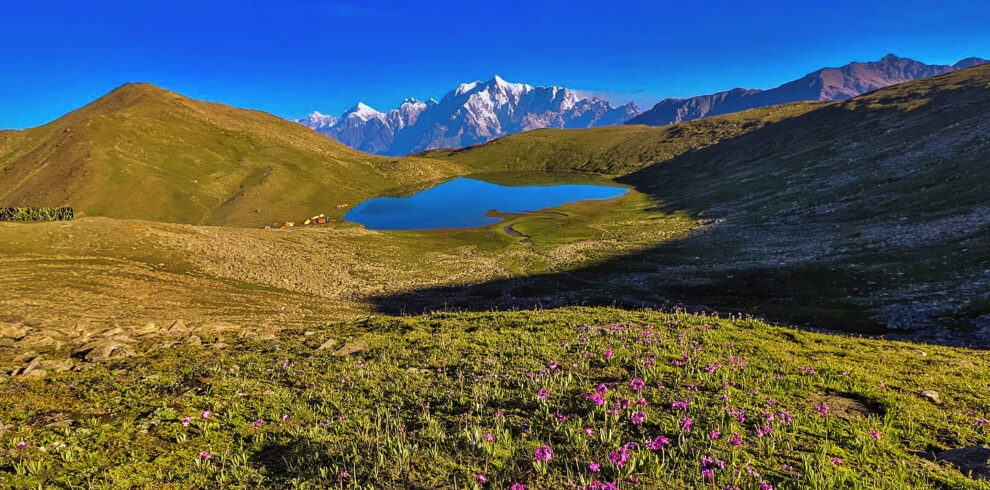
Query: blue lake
point(466, 203)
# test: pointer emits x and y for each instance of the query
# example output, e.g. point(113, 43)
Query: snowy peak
point(318, 121)
point(472, 113)
point(363, 112)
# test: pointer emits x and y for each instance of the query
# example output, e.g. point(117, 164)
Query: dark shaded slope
point(868, 215)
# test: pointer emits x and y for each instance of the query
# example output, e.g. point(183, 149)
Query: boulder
point(351, 348)
point(327, 345)
point(12, 331)
point(930, 395)
point(103, 349)
point(972, 460)
point(177, 327)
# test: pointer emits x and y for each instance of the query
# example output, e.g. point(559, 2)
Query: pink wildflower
point(637, 384)
point(543, 453)
point(594, 467)
point(543, 393)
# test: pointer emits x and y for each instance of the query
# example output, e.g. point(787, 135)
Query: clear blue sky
point(291, 57)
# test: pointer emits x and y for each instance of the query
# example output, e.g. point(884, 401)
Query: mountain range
point(839, 83)
point(472, 113)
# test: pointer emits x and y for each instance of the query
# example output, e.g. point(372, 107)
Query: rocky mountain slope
point(472, 113)
point(826, 84)
point(143, 152)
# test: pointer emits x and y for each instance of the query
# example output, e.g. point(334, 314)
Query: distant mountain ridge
point(840, 83)
point(472, 113)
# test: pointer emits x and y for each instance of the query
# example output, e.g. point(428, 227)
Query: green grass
point(414, 410)
point(36, 214)
point(146, 153)
point(612, 150)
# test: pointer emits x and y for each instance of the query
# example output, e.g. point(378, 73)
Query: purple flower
point(638, 417)
point(735, 440)
point(619, 456)
point(206, 414)
point(637, 384)
point(543, 393)
point(837, 461)
point(609, 354)
point(714, 434)
point(205, 455)
point(708, 474)
point(589, 431)
point(823, 408)
point(807, 370)
point(186, 421)
point(22, 445)
point(981, 422)
point(659, 442)
point(765, 486)
point(258, 423)
point(876, 435)
point(594, 467)
point(686, 424)
point(517, 486)
point(481, 478)
point(285, 417)
point(680, 405)
point(543, 453)
point(489, 437)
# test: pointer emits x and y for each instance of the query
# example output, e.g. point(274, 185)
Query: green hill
point(143, 152)
point(611, 150)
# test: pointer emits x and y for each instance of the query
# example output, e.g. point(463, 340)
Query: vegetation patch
point(36, 214)
point(586, 397)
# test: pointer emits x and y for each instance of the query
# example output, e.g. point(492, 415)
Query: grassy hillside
point(143, 152)
point(435, 401)
point(860, 215)
point(613, 150)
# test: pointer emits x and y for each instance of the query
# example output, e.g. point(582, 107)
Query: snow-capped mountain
point(472, 113)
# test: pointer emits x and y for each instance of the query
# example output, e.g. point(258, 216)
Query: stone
point(972, 460)
point(351, 348)
point(30, 367)
point(177, 327)
point(193, 340)
point(38, 339)
point(327, 345)
point(103, 349)
point(148, 329)
point(12, 331)
point(931, 395)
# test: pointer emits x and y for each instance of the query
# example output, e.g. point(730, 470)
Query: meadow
point(577, 397)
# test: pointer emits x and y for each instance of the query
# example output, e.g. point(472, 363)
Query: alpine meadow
point(504, 284)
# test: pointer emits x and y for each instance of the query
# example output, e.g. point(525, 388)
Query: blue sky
point(291, 57)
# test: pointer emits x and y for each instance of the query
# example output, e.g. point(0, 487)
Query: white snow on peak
point(363, 111)
point(466, 87)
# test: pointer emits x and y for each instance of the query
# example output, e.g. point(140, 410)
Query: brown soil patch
point(845, 406)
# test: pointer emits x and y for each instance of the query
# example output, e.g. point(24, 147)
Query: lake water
point(465, 202)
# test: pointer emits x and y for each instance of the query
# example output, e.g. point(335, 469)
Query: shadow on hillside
point(827, 288)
